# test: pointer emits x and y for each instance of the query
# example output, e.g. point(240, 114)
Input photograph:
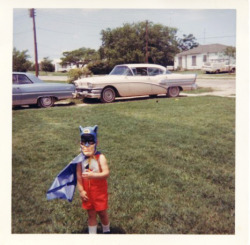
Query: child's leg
point(92, 222)
point(104, 217)
point(105, 221)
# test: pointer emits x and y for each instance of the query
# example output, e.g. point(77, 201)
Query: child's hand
point(88, 175)
point(84, 196)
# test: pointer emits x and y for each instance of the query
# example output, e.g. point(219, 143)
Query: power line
point(216, 37)
point(43, 29)
point(22, 32)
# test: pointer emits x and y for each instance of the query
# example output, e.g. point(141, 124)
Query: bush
point(46, 65)
point(78, 73)
point(86, 72)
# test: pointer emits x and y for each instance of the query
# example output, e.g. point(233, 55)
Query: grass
point(172, 165)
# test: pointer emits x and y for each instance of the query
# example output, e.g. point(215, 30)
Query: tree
point(79, 56)
point(127, 44)
point(46, 65)
point(99, 67)
point(230, 51)
point(20, 61)
point(187, 42)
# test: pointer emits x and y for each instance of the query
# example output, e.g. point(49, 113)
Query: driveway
point(221, 87)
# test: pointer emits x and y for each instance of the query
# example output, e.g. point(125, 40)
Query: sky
point(60, 30)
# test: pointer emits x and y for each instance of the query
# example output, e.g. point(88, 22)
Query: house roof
point(209, 48)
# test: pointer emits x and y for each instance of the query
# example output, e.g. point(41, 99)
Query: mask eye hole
point(84, 143)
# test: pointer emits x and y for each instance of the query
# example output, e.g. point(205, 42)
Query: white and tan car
point(134, 80)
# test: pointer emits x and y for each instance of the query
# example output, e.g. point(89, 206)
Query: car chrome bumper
point(89, 93)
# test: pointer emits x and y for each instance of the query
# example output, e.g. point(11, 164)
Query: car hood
point(96, 80)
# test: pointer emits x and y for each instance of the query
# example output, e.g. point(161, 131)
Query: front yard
point(172, 165)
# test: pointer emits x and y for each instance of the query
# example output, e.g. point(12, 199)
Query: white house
point(195, 58)
point(62, 68)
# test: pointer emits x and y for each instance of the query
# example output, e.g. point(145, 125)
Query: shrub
point(74, 74)
point(46, 65)
point(78, 73)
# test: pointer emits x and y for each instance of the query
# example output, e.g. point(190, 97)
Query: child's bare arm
point(82, 192)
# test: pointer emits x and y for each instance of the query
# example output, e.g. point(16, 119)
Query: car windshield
point(121, 70)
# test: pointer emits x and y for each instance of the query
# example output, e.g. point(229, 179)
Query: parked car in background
point(27, 89)
point(134, 80)
point(218, 67)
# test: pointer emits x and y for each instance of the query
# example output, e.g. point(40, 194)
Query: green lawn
point(172, 165)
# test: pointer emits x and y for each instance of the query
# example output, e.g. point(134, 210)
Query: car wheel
point(45, 102)
point(108, 95)
point(173, 91)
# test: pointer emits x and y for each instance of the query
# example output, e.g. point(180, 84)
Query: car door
point(140, 83)
point(155, 79)
point(22, 90)
point(16, 92)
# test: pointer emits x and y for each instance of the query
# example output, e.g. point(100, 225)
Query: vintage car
point(134, 80)
point(218, 67)
point(27, 89)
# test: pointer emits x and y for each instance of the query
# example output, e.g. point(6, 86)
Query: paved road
point(221, 87)
point(53, 78)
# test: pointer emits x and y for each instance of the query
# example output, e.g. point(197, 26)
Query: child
point(91, 181)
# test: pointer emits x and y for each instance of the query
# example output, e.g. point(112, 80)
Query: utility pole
point(146, 59)
point(32, 15)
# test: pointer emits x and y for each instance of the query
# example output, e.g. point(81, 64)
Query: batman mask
point(88, 135)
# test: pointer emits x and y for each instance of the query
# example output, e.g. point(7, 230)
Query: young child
point(91, 181)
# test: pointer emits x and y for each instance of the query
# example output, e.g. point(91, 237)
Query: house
point(63, 68)
point(195, 58)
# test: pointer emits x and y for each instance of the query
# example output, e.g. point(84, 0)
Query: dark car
point(27, 89)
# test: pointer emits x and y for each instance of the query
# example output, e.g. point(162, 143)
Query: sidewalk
point(53, 78)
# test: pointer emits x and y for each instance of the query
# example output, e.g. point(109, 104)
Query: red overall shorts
point(97, 189)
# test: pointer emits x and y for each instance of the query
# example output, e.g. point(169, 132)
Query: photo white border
point(242, 123)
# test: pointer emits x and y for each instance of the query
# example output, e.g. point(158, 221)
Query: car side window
point(127, 72)
point(22, 79)
point(154, 71)
point(14, 79)
point(140, 71)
